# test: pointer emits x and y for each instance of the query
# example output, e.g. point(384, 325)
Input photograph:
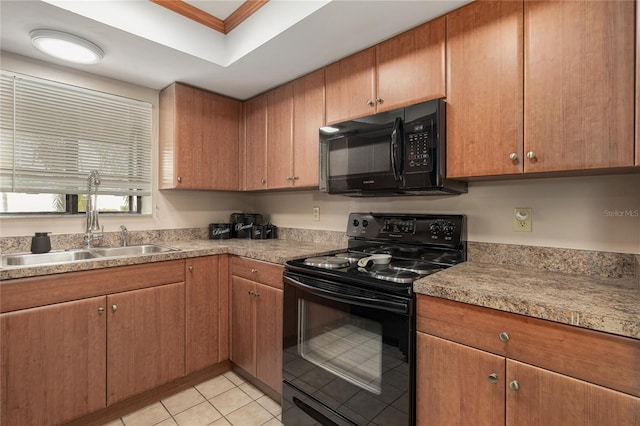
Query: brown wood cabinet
point(53, 362)
point(403, 70)
point(256, 320)
point(145, 340)
point(556, 97)
point(207, 311)
point(255, 143)
point(476, 365)
point(280, 137)
point(199, 139)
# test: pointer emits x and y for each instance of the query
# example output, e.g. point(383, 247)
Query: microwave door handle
point(397, 144)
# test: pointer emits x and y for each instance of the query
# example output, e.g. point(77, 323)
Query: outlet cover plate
point(522, 219)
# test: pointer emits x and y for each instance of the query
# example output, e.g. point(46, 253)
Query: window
point(52, 135)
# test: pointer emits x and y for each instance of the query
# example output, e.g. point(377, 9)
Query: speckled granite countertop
point(275, 251)
point(604, 304)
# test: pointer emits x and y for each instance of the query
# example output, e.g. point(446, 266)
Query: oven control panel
point(446, 230)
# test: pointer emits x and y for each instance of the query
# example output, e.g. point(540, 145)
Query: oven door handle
point(386, 305)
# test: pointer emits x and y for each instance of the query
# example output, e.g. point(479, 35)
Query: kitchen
point(569, 212)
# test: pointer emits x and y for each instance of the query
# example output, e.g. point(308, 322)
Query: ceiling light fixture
point(66, 46)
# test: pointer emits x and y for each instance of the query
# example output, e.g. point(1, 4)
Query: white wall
point(170, 209)
point(570, 212)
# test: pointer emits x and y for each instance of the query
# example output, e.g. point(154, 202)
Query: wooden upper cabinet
point(255, 145)
point(485, 89)
point(199, 139)
point(411, 66)
point(350, 87)
point(579, 84)
point(308, 117)
point(280, 137)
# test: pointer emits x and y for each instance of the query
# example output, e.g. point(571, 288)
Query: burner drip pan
point(327, 262)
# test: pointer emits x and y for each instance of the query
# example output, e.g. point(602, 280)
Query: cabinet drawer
point(601, 358)
point(256, 270)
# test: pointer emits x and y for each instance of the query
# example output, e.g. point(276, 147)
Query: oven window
point(345, 344)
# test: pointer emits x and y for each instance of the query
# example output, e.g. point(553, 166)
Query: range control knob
point(365, 223)
point(356, 222)
point(449, 228)
point(434, 227)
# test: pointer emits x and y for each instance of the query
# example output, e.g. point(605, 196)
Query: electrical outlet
point(522, 219)
point(316, 213)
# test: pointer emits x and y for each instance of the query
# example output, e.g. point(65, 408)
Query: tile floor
point(224, 400)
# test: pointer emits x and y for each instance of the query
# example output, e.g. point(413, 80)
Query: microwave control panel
point(419, 152)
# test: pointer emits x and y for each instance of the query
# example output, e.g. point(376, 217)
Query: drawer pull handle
point(493, 378)
point(504, 337)
point(514, 385)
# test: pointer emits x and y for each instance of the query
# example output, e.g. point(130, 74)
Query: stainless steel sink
point(131, 250)
point(28, 259)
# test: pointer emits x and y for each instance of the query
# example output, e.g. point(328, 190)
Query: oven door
point(348, 355)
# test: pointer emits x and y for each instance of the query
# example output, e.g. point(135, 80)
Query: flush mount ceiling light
point(66, 46)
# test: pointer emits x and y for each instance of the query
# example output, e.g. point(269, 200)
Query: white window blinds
point(53, 135)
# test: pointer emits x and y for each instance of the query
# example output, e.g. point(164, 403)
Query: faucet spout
point(123, 235)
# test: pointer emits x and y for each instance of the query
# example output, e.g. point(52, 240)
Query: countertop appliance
point(349, 331)
point(398, 152)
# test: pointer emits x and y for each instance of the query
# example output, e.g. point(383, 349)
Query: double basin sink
point(31, 259)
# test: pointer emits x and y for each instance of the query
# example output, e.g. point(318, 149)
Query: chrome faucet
point(93, 232)
point(123, 235)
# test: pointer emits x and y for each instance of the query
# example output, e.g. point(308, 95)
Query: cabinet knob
point(254, 271)
point(493, 378)
point(514, 385)
point(289, 178)
point(250, 292)
point(190, 268)
point(114, 308)
point(369, 102)
point(379, 100)
point(257, 294)
point(531, 155)
point(179, 179)
point(513, 156)
point(504, 337)
point(263, 181)
point(296, 178)
point(100, 310)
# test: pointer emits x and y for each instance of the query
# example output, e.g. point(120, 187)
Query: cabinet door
point(308, 117)
point(187, 137)
point(255, 149)
point(243, 324)
point(217, 163)
point(350, 87)
point(269, 336)
point(279, 137)
point(547, 398)
point(579, 84)
point(202, 313)
point(485, 89)
point(453, 386)
point(145, 339)
point(410, 66)
point(53, 362)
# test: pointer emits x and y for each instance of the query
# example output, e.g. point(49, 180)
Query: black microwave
point(397, 152)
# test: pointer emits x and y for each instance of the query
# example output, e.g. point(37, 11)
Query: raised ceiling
point(152, 46)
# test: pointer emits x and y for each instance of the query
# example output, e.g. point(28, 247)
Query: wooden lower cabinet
point(256, 320)
point(207, 311)
point(53, 362)
point(145, 340)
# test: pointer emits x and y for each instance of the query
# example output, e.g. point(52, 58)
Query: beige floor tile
point(147, 416)
point(220, 422)
point(215, 386)
point(182, 401)
point(251, 390)
point(200, 415)
point(230, 401)
point(236, 379)
point(250, 415)
point(270, 405)
point(116, 422)
point(168, 422)
point(273, 422)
